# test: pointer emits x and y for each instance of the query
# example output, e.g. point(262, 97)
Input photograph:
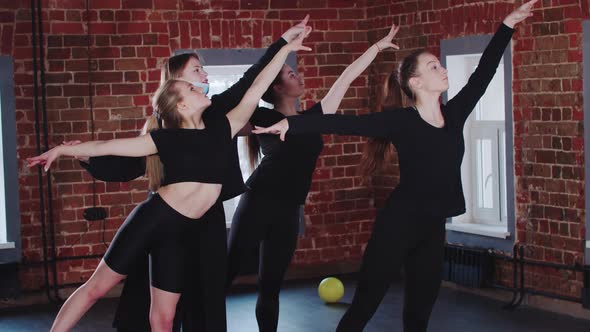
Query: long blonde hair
point(171, 70)
point(165, 115)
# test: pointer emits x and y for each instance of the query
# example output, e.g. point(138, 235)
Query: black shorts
point(153, 228)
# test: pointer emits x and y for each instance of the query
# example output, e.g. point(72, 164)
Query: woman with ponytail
point(379, 150)
point(410, 230)
point(268, 213)
point(187, 176)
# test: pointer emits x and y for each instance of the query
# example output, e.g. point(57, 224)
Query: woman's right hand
point(45, 159)
point(386, 42)
point(279, 128)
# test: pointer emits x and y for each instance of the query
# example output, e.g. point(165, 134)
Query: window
point(488, 165)
point(3, 237)
point(9, 214)
point(483, 167)
point(220, 79)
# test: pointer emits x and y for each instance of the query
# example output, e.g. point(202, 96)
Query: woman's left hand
point(520, 14)
point(297, 43)
point(279, 128)
point(295, 30)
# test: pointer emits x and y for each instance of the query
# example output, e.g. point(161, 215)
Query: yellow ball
point(331, 290)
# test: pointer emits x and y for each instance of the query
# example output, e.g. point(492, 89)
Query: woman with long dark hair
point(410, 230)
point(268, 213)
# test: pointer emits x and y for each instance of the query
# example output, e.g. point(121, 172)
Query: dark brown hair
point(252, 143)
point(378, 150)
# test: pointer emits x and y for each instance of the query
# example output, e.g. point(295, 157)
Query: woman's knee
point(162, 319)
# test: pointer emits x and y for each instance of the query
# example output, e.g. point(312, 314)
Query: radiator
point(470, 267)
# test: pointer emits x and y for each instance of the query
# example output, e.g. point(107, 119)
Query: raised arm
point(132, 147)
point(385, 124)
point(333, 98)
point(465, 101)
point(239, 116)
point(231, 97)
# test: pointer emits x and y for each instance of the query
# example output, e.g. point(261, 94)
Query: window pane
point(3, 238)
point(491, 105)
point(220, 79)
point(503, 199)
point(485, 177)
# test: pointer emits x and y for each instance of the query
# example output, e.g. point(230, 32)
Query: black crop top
point(195, 155)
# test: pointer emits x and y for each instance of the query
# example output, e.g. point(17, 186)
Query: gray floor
point(302, 310)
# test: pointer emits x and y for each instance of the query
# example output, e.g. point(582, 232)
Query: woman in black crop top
point(410, 230)
point(159, 225)
point(268, 213)
point(201, 308)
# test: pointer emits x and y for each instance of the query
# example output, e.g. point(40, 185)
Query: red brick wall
point(131, 38)
point(129, 41)
point(549, 157)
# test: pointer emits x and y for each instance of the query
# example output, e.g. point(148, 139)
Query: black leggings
point(204, 298)
point(274, 224)
point(202, 303)
point(153, 228)
point(399, 239)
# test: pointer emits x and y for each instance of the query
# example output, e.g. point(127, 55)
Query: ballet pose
point(202, 305)
point(269, 212)
point(194, 156)
point(410, 230)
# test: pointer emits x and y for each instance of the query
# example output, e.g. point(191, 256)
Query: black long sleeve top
point(429, 157)
point(285, 172)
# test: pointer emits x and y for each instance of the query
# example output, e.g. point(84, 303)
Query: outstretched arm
point(132, 147)
point(333, 98)
point(239, 116)
point(476, 86)
point(385, 124)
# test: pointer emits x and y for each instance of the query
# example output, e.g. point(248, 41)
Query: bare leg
point(101, 281)
point(163, 309)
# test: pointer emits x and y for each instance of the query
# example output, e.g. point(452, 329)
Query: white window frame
point(221, 77)
point(480, 220)
point(10, 240)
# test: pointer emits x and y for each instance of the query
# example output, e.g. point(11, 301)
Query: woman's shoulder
point(396, 111)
